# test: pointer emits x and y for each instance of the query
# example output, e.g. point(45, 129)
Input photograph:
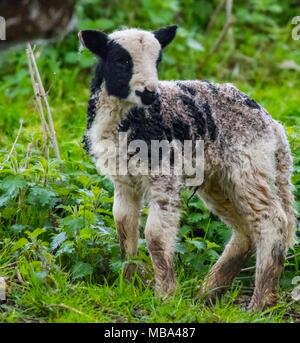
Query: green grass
point(58, 245)
point(64, 301)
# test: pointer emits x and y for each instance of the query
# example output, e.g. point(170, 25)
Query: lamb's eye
point(123, 61)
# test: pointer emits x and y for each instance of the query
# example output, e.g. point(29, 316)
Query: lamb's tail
point(284, 168)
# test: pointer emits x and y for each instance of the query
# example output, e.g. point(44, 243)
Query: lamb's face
point(131, 67)
point(129, 61)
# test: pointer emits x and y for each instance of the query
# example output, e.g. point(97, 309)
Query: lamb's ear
point(165, 35)
point(95, 41)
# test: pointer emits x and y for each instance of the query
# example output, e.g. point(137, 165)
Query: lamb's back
point(215, 112)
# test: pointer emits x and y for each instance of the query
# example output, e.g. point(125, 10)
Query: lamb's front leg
point(126, 211)
point(160, 233)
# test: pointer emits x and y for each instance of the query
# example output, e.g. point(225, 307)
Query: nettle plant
point(55, 217)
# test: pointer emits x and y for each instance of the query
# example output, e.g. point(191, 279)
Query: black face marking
point(186, 88)
point(117, 70)
point(251, 103)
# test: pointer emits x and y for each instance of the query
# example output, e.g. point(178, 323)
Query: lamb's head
point(130, 59)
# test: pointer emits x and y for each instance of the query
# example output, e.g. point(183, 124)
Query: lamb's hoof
point(260, 305)
point(253, 307)
point(209, 297)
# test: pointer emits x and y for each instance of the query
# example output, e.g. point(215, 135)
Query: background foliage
point(58, 245)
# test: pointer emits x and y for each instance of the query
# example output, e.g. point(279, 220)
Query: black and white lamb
point(247, 161)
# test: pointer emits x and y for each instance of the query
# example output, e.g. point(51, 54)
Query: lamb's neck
point(109, 114)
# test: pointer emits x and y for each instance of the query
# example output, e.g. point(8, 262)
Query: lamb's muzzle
point(147, 97)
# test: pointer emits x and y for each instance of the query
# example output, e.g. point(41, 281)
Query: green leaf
point(41, 196)
point(213, 254)
point(86, 233)
point(181, 248)
point(67, 248)
point(18, 228)
point(197, 217)
point(5, 199)
point(36, 233)
point(199, 245)
point(12, 183)
point(58, 240)
point(72, 223)
point(81, 269)
point(211, 245)
point(20, 243)
point(11, 187)
point(185, 229)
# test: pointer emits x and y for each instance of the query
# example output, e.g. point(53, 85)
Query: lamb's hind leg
point(227, 267)
point(275, 225)
point(271, 246)
point(126, 211)
point(257, 200)
point(237, 250)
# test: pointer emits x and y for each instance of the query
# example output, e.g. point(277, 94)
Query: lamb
point(247, 162)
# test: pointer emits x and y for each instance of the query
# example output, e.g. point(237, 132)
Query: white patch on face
point(144, 50)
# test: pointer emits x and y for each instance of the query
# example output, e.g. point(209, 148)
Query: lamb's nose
point(150, 86)
point(147, 96)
